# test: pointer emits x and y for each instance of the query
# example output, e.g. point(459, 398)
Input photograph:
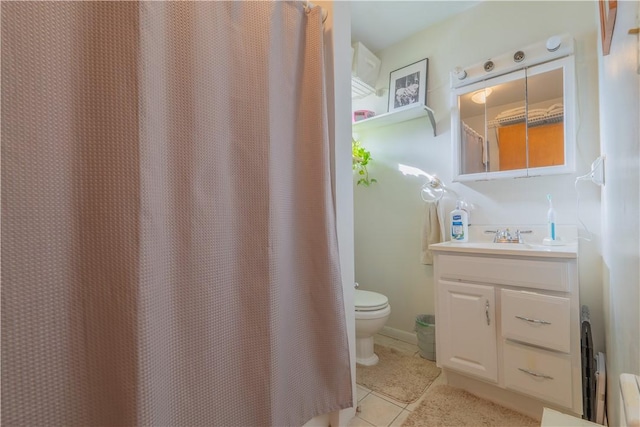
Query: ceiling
point(379, 24)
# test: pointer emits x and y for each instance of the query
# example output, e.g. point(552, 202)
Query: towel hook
point(434, 190)
point(430, 193)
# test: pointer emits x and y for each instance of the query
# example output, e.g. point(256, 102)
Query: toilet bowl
point(372, 313)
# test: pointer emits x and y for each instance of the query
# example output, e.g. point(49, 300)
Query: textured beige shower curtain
point(169, 252)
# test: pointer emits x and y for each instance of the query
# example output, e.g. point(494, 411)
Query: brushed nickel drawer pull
point(541, 322)
point(533, 374)
point(486, 312)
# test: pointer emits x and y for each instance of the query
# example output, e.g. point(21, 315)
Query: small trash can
point(426, 333)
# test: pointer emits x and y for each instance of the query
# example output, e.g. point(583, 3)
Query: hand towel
point(430, 231)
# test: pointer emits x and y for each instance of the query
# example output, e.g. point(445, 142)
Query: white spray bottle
point(551, 223)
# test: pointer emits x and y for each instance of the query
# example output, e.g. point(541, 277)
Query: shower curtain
point(474, 151)
point(169, 252)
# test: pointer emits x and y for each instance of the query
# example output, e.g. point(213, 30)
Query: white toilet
point(372, 312)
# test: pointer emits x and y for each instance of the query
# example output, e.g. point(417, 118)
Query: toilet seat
point(370, 301)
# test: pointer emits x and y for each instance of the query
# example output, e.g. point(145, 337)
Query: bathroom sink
point(528, 243)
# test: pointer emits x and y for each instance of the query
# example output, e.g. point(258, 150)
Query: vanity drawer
point(542, 320)
point(548, 275)
point(542, 374)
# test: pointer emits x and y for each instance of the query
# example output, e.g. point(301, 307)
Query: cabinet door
point(467, 329)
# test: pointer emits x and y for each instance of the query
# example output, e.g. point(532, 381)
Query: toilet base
point(364, 352)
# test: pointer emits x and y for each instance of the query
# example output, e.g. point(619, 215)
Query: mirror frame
point(567, 64)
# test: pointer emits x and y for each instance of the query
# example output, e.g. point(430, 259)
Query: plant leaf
point(360, 159)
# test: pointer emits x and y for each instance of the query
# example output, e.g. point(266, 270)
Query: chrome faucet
point(505, 236)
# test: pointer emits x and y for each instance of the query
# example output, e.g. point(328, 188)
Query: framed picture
point(608, 9)
point(408, 86)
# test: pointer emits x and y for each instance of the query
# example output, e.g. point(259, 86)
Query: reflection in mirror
point(496, 134)
point(545, 119)
point(506, 127)
point(537, 141)
point(474, 150)
point(485, 147)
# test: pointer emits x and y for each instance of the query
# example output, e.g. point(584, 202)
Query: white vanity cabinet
point(509, 317)
point(467, 317)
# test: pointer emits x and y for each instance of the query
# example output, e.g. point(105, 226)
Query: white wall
point(619, 114)
point(388, 215)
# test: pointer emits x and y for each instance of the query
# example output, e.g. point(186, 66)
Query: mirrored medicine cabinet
point(516, 124)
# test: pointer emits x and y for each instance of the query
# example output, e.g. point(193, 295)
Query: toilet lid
point(370, 301)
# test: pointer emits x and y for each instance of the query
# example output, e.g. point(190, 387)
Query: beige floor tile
point(389, 399)
point(362, 392)
point(400, 419)
point(378, 411)
point(358, 422)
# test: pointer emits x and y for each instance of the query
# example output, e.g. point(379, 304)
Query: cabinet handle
point(486, 311)
point(541, 322)
point(533, 374)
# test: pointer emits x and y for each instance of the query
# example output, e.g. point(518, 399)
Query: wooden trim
point(608, 9)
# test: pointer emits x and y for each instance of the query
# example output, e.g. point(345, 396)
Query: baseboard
point(408, 337)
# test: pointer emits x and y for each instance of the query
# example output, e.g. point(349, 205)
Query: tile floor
point(377, 410)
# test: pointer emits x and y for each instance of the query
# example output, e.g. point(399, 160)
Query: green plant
point(361, 158)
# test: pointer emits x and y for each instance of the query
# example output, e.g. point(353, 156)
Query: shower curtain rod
point(472, 130)
point(308, 6)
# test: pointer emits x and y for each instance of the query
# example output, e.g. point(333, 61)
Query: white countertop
point(481, 243)
point(513, 249)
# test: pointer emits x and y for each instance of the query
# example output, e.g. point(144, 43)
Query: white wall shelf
point(394, 117)
point(360, 89)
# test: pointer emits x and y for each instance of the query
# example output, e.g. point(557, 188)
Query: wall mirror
point(516, 124)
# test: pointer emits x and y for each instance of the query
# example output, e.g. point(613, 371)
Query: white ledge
point(398, 116)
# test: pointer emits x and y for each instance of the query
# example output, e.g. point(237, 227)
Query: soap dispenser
point(459, 224)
